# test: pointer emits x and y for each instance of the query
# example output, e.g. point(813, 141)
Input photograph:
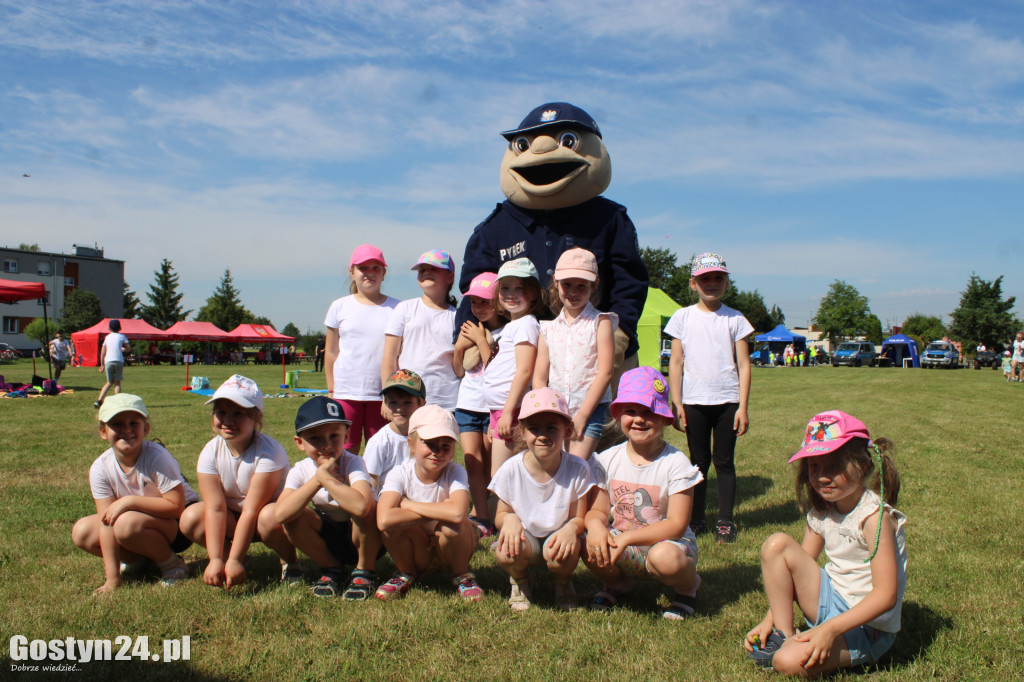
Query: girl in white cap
point(847, 484)
point(353, 352)
point(576, 352)
point(240, 471)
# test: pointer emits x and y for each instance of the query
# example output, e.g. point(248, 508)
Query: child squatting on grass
point(139, 493)
point(240, 471)
point(646, 490)
point(423, 510)
point(542, 501)
point(341, 526)
point(853, 604)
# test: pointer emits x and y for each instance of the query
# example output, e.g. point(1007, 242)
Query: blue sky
point(880, 143)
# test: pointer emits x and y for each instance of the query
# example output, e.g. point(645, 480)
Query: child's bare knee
point(775, 545)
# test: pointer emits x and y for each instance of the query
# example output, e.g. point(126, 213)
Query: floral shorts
point(633, 561)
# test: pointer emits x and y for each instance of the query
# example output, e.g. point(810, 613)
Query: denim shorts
point(865, 643)
point(595, 425)
point(470, 422)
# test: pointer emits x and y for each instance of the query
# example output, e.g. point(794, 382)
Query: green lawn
point(959, 448)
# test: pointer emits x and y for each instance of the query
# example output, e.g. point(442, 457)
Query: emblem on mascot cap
point(548, 116)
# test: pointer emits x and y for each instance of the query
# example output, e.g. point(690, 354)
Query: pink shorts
point(493, 424)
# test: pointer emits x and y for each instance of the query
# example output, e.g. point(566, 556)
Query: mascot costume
point(553, 173)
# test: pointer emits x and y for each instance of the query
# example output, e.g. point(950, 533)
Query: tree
point(291, 330)
point(751, 304)
point(843, 312)
point(924, 329)
point(82, 309)
point(663, 273)
point(225, 308)
point(164, 307)
point(37, 331)
point(778, 317)
point(28, 247)
point(132, 304)
point(874, 330)
point(983, 316)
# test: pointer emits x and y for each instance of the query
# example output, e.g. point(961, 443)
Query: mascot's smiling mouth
point(543, 174)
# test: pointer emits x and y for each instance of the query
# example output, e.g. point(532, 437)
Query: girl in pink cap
point(847, 484)
point(355, 331)
point(419, 334)
point(645, 486)
point(576, 351)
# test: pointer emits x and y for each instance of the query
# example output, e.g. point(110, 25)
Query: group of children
point(537, 394)
point(1013, 361)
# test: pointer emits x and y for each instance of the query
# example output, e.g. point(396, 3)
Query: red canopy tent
point(256, 333)
point(87, 342)
point(196, 331)
point(12, 291)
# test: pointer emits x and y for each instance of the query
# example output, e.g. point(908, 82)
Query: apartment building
point(84, 268)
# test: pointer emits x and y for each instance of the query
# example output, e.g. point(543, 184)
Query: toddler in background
point(139, 494)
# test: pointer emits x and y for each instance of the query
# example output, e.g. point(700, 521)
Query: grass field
point(959, 447)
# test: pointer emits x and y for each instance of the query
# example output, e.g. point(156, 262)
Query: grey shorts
point(115, 371)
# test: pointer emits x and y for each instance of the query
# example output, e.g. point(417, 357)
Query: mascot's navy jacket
point(598, 225)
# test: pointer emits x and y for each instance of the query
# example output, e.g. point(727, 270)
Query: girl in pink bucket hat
point(847, 484)
point(354, 349)
point(646, 487)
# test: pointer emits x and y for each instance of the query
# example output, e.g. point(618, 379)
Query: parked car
point(7, 352)
point(988, 358)
point(855, 354)
point(940, 354)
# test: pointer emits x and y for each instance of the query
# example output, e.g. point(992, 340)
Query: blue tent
point(896, 348)
point(777, 340)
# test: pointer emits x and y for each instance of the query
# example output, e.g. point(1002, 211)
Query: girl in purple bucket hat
point(646, 487)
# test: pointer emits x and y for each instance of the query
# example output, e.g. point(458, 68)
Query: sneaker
point(565, 596)
point(699, 527)
point(97, 404)
point(483, 525)
point(361, 584)
point(468, 588)
point(175, 574)
point(292, 574)
point(763, 655)
point(520, 599)
point(327, 586)
point(396, 587)
point(134, 568)
point(725, 532)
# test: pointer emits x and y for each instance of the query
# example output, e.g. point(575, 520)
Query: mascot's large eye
point(521, 144)
point(569, 140)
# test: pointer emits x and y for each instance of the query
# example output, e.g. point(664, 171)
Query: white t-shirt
point(60, 350)
point(639, 494)
point(155, 472)
point(847, 548)
point(502, 369)
point(427, 348)
point(264, 455)
point(471, 390)
point(113, 342)
point(360, 330)
point(403, 480)
point(542, 508)
point(385, 450)
point(352, 471)
point(709, 341)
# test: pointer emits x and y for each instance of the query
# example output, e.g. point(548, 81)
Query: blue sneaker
point(764, 654)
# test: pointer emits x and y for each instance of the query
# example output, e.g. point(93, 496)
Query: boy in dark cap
point(340, 528)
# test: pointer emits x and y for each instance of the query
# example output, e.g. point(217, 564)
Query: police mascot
point(553, 173)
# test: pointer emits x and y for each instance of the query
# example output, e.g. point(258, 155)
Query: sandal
point(468, 588)
point(361, 584)
point(485, 526)
point(326, 586)
point(396, 587)
point(521, 595)
point(565, 596)
point(604, 601)
point(763, 654)
point(680, 607)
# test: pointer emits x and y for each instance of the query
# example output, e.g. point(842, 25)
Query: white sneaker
point(175, 574)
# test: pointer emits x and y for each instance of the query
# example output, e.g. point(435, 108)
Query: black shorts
point(180, 542)
point(337, 535)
